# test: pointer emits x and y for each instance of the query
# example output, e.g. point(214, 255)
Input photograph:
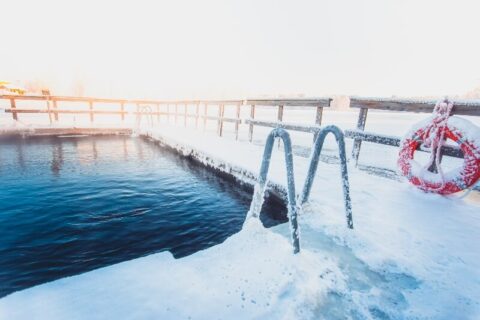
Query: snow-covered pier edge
point(242, 176)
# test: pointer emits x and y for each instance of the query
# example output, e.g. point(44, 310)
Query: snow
point(253, 275)
point(411, 255)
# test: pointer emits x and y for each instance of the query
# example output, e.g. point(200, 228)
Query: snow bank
point(400, 232)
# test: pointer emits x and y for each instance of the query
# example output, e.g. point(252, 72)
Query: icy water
point(73, 204)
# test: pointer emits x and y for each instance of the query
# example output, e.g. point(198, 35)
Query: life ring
point(459, 130)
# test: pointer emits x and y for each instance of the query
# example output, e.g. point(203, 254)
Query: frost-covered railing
point(364, 104)
point(280, 104)
point(179, 110)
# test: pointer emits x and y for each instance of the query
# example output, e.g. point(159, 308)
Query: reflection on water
point(73, 204)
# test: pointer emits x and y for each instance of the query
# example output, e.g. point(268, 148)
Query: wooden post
point(280, 113)
point(122, 110)
point(48, 110)
point(55, 114)
point(279, 119)
point(318, 120)
point(176, 112)
point(90, 107)
point(168, 113)
point(357, 143)
point(158, 113)
point(318, 116)
point(221, 110)
point(197, 110)
point(13, 106)
point(185, 116)
point(237, 121)
point(250, 126)
point(205, 113)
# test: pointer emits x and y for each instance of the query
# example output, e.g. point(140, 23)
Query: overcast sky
point(220, 49)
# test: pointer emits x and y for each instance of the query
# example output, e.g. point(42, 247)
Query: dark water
point(74, 204)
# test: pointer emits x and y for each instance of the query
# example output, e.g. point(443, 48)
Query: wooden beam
point(459, 108)
point(284, 125)
point(395, 142)
point(325, 102)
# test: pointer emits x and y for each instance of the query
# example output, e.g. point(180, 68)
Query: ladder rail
point(260, 187)
point(312, 170)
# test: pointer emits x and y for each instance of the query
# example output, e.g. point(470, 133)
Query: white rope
point(434, 138)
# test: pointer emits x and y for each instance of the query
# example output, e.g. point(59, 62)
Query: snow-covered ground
point(411, 256)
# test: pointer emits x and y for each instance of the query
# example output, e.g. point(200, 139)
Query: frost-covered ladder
point(312, 169)
point(260, 186)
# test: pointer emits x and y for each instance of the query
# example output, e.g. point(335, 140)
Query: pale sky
point(234, 49)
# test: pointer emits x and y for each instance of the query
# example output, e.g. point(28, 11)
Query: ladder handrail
point(260, 187)
point(314, 159)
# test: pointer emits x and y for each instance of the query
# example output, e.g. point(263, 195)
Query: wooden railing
point(364, 104)
point(163, 109)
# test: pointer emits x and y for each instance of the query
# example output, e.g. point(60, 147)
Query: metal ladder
point(260, 187)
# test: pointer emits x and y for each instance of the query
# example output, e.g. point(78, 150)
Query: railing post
point(197, 111)
point(250, 126)
point(13, 106)
point(55, 113)
point(279, 119)
point(280, 114)
point(205, 113)
point(90, 107)
point(237, 121)
point(158, 112)
point(318, 120)
point(122, 110)
point(185, 116)
point(221, 110)
point(176, 112)
point(357, 143)
point(48, 110)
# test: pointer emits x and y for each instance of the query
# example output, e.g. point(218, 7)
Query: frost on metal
point(257, 201)
point(259, 192)
point(314, 159)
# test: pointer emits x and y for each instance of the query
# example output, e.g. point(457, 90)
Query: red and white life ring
point(459, 130)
